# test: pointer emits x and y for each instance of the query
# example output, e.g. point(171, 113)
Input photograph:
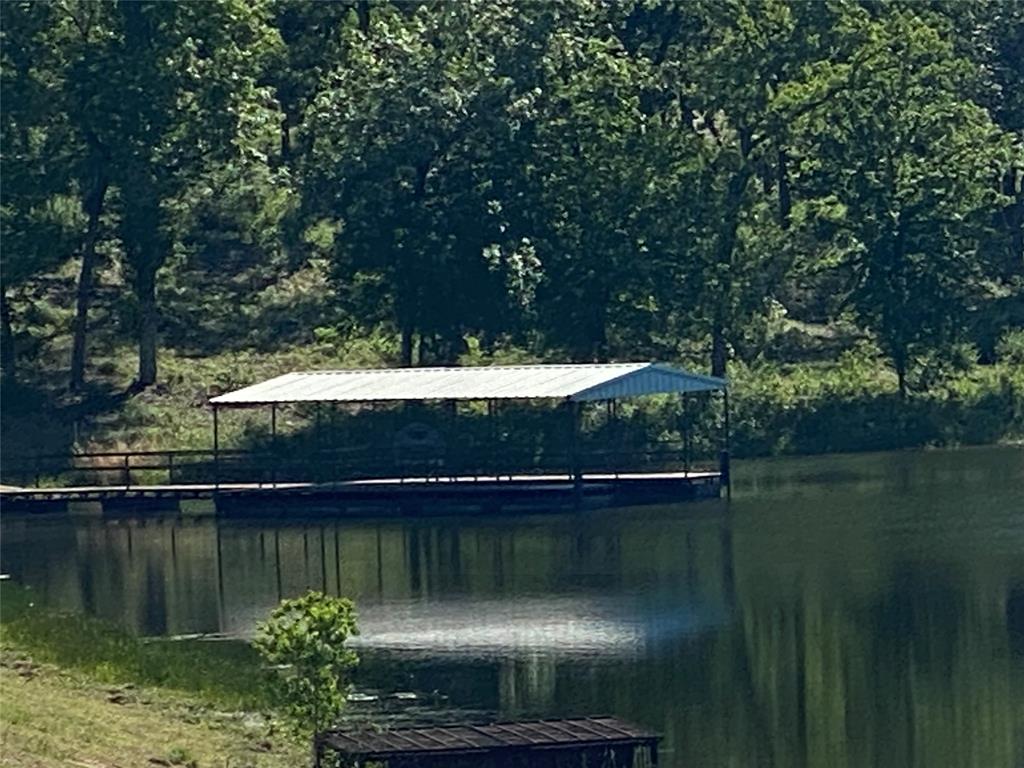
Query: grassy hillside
point(847, 403)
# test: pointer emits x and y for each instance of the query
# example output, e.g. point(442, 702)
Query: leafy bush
point(1010, 347)
point(304, 642)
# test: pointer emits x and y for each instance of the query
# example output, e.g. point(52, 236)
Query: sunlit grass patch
point(222, 672)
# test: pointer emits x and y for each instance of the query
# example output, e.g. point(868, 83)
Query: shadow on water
point(849, 611)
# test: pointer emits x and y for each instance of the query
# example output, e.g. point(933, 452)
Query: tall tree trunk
point(900, 363)
point(722, 311)
point(785, 200)
point(8, 359)
point(146, 290)
point(408, 287)
point(897, 323)
point(145, 247)
point(1013, 214)
point(599, 340)
point(363, 15)
point(427, 352)
point(719, 348)
point(286, 140)
point(93, 204)
point(406, 361)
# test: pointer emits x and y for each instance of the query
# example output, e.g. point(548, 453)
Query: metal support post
point(493, 429)
point(724, 461)
point(687, 432)
point(574, 449)
point(451, 460)
point(317, 445)
point(216, 450)
point(273, 445)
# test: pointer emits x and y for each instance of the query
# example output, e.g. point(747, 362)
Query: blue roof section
point(651, 379)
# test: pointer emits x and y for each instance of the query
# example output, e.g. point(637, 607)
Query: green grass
point(52, 718)
point(221, 673)
point(80, 691)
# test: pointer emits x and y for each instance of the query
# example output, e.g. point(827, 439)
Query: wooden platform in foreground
point(539, 743)
point(401, 495)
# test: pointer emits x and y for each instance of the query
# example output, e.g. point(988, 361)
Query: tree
point(991, 36)
point(313, 41)
point(303, 641)
point(147, 99)
point(409, 134)
point(84, 32)
point(593, 157)
point(186, 78)
point(905, 168)
point(581, 179)
point(38, 216)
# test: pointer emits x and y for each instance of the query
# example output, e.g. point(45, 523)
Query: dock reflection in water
point(852, 611)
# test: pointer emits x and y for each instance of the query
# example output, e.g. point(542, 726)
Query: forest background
point(823, 201)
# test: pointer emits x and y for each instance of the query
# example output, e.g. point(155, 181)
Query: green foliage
point(1010, 348)
point(249, 186)
point(413, 145)
point(905, 174)
point(304, 641)
point(854, 406)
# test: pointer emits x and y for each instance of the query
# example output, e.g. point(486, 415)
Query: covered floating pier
point(420, 459)
point(450, 439)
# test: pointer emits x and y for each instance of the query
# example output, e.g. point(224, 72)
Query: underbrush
point(853, 405)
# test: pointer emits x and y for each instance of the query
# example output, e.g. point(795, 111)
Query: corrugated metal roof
point(576, 733)
point(582, 382)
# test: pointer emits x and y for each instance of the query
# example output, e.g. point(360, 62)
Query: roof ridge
point(522, 367)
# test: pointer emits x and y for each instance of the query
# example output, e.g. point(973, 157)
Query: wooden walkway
point(400, 494)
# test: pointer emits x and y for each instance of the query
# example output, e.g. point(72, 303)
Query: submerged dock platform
point(407, 495)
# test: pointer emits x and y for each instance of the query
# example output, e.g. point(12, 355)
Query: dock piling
point(216, 450)
point(724, 460)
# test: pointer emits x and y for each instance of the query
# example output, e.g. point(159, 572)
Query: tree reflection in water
point(853, 611)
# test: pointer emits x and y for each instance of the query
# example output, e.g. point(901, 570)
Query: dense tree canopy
point(576, 179)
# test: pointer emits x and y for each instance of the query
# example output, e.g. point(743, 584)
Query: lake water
point(841, 611)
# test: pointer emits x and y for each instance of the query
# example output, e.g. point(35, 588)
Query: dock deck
point(400, 495)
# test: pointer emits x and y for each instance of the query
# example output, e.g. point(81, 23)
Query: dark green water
point(842, 611)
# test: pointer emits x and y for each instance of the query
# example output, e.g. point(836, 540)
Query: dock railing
point(130, 469)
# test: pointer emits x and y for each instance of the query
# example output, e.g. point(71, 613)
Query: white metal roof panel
point(581, 382)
